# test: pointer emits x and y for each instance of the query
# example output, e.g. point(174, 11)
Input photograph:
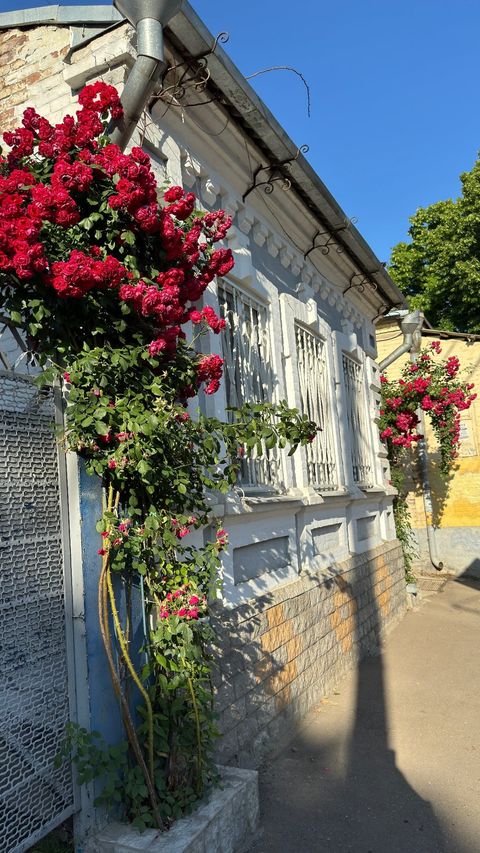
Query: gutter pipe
point(410, 325)
point(427, 499)
point(425, 478)
point(148, 17)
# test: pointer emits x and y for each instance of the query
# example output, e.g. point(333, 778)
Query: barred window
point(315, 394)
point(358, 421)
point(248, 374)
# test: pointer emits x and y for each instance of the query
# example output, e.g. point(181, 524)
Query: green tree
point(439, 269)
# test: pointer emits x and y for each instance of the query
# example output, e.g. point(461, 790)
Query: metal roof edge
point(445, 334)
point(195, 37)
point(398, 314)
point(190, 30)
point(59, 15)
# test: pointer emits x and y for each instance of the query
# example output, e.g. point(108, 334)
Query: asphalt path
point(390, 762)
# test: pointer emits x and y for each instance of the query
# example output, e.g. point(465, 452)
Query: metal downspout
point(412, 342)
point(425, 478)
point(401, 350)
point(148, 17)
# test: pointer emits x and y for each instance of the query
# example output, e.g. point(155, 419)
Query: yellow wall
point(456, 504)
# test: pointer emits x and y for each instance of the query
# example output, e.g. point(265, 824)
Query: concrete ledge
point(225, 823)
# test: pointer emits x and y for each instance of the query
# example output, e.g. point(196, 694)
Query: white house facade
point(313, 574)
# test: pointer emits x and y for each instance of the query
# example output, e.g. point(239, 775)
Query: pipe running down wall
point(149, 18)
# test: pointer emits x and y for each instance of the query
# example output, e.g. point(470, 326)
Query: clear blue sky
point(395, 116)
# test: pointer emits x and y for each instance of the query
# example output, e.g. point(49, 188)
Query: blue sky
point(395, 118)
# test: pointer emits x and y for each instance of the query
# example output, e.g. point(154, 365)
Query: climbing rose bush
point(105, 272)
point(435, 387)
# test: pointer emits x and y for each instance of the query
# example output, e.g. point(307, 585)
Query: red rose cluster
point(209, 370)
point(433, 387)
point(182, 603)
point(58, 176)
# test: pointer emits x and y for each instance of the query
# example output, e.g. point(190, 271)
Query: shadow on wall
point(334, 794)
point(439, 485)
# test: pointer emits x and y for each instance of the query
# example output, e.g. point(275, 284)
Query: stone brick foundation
point(280, 654)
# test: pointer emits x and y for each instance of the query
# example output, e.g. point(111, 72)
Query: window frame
point(305, 315)
point(257, 290)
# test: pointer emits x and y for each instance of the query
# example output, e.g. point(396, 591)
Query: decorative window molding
point(252, 224)
point(353, 373)
point(309, 375)
point(355, 414)
point(249, 374)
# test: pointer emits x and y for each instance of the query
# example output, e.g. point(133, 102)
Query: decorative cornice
point(252, 225)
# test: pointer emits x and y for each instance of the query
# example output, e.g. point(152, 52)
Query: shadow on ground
point(327, 792)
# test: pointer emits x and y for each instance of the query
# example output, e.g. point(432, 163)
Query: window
point(358, 422)
point(248, 375)
point(315, 394)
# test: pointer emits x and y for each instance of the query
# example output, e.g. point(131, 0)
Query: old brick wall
point(37, 70)
point(32, 72)
point(281, 654)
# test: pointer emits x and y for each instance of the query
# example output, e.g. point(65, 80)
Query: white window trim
point(294, 312)
point(258, 288)
point(347, 345)
point(382, 474)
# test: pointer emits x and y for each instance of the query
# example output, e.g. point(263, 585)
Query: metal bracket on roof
point(381, 312)
point(192, 73)
point(330, 241)
point(274, 174)
point(365, 282)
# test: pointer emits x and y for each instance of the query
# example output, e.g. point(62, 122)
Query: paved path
point(391, 762)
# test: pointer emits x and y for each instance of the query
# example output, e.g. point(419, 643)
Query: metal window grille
point(34, 795)
point(316, 403)
point(358, 424)
point(248, 373)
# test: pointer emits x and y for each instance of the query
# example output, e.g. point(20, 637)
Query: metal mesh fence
point(34, 706)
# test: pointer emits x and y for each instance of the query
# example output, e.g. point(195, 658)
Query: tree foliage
point(439, 269)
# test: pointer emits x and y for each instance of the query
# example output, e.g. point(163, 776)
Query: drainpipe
point(411, 328)
point(410, 324)
point(148, 17)
point(424, 476)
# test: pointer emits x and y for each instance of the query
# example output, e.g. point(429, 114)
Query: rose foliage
point(105, 273)
point(434, 387)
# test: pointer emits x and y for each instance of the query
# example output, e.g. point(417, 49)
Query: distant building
point(454, 514)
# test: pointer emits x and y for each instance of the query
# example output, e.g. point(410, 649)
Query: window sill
point(378, 490)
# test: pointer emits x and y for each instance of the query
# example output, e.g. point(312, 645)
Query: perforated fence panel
point(34, 699)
